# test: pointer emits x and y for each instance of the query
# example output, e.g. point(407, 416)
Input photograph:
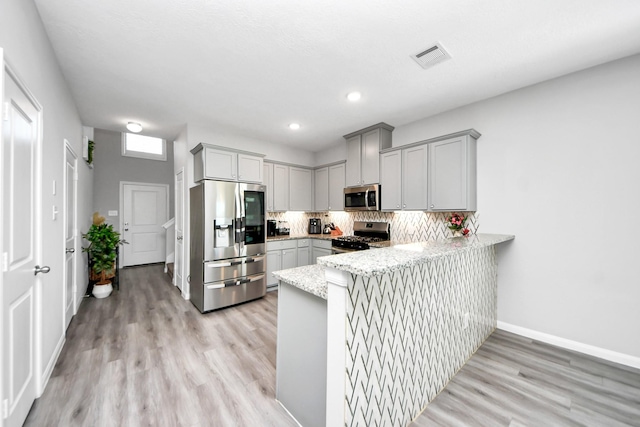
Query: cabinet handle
point(431, 206)
point(397, 206)
point(404, 206)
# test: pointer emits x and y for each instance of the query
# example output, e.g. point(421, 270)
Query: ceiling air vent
point(430, 57)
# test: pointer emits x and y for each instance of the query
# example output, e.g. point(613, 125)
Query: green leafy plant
point(103, 242)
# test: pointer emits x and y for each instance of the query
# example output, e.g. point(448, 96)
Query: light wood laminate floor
point(144, 356)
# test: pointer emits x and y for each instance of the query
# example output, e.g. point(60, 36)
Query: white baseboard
point(49, 369)
point(602, 353)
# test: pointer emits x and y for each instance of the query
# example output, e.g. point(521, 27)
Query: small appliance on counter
point(314, 226)
point(282, 228)
point(271, 227)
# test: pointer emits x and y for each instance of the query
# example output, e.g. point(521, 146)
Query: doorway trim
point(65, 216)
point(121, 207)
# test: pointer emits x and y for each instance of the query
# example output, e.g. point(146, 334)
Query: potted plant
point(102, 251)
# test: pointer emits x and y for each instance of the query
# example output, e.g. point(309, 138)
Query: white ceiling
point(254, 66)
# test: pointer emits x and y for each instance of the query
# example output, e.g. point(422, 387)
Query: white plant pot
point(102, 291)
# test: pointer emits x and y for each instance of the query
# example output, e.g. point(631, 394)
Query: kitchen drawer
point(282, 244)
point(324, 244)
point(230, 292)
point(216, 271)
point(303, 243)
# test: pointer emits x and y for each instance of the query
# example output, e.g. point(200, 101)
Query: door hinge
point(5, 262)
point(5, 409)
point(5, 111)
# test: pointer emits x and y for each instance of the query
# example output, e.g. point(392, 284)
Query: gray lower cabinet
point(281, 255)
point(304, 257)
point(320, 248)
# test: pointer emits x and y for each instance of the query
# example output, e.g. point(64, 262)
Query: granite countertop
point(300, 236)
point(309, 278)
point(375, 262)
point(378, 261)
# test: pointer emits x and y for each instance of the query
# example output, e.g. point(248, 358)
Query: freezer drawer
point(216, 271)
point(229, 292)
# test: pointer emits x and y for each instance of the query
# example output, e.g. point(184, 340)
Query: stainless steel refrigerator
point(228, 243)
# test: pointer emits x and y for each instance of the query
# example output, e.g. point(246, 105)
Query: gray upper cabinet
point(280, 188)
point(452, 174)
point(391, 180)
point(354, 175)
point(438, 174)
point(363, 154)
point(268, 181)
point(329, 186)
point(300, 189)
point(321, 195)
point(336, 187)
point(220, 163)
point(415, 178)
point(250, 168)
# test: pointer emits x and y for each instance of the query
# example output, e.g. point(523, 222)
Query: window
point(145, 147)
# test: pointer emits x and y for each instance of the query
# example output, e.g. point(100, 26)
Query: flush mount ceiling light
point(354, 96)
point(134, 127)
point(294, 126)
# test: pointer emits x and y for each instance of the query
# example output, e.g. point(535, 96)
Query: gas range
point(364, 233)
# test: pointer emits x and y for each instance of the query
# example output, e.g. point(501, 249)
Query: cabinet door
point(274, 263)
point(220, 164)
point(300, 189)
point(336, 187)
point(391, 180)
point(415, 178)
point(289, 258)
point(303, 256)
point(250, 168)
point(448, 175)
point(371, 157)
point(268, 181)
point(322, 189)
point(280, 187)
point(318, 252)
point(353, 161)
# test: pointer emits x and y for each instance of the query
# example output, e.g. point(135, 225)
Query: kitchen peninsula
point(371, 337)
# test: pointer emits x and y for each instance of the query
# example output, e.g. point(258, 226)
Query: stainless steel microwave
point(362, 198)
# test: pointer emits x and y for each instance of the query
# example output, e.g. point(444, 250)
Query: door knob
point(44, 269)
point(69, 250)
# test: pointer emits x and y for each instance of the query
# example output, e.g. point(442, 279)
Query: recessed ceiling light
point(134, 127)
point(354, 96)
point(294, 126)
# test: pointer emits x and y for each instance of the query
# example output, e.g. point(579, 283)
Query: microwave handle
point(366, 198)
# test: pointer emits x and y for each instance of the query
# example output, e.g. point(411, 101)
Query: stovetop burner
point(364, 234)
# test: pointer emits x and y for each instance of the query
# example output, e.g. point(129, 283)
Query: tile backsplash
point(414, 226)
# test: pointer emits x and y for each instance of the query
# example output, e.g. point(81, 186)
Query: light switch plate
point(112, 213)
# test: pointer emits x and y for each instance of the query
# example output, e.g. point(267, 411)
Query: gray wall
point(27, 49)
point(111, 168)
point(558, 167)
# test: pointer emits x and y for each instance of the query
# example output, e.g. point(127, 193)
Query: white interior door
point(21, 122)
point(179, 209)
point(70, 232)
point(145, 208)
